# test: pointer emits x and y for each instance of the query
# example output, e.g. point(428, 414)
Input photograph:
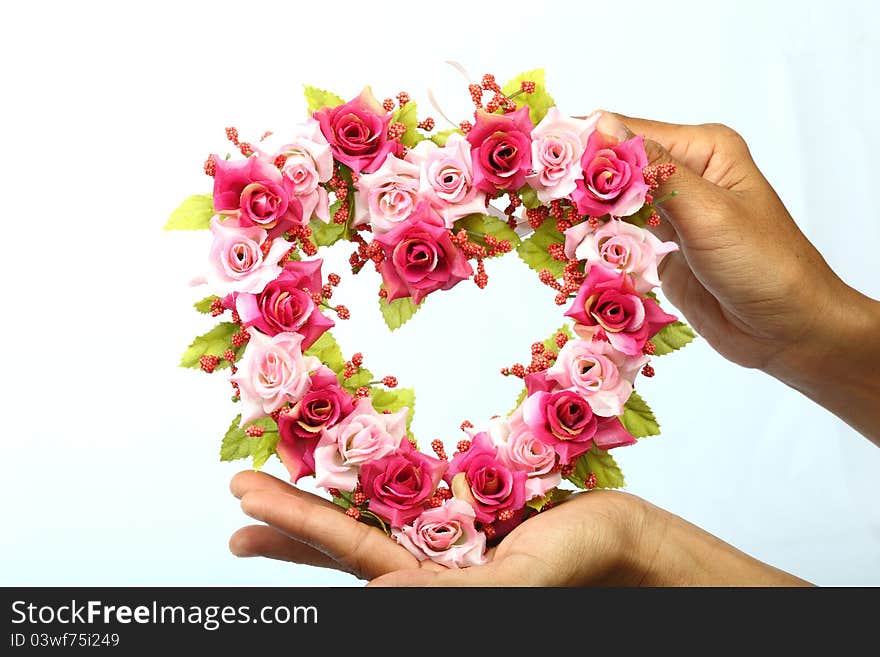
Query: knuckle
point(725, 134)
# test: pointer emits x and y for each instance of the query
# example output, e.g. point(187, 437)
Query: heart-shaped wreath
point(417, 204)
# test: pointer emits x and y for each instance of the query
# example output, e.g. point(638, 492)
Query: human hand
point(747, 278)
point(596, 538)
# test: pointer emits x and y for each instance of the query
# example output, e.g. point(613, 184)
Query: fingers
point(249, 480)
point(363, 550)
point(263, 541)
point(508, 572)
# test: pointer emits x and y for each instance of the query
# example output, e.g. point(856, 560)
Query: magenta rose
point(609, 307)
point(399, 484)
point(258, 192)
point(613, 182)
point(420, 257)
point(493, 486)
point(284, 305)
point(322, 407)
point(564, 421)
point(501, 151)
point(358, 132)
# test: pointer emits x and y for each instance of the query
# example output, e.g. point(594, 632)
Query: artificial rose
point(598, 372)
point(445, 535)
point(447, 178)
point(388, 196)
point(612, 180)
point(362, 437)
point(300, 427)
point(420, 257)
point(358, 132)
point(286, 305)
point(272, 372)
point(257, 193)
point(610, 308)
point(501, 150)
point(564, 421)
point(622, 247)
point(493, 485)
point(398, 485)
point(236, 260)
point(558, 143)
point(520, 450)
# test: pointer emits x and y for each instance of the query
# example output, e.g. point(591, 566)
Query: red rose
point(501, 150)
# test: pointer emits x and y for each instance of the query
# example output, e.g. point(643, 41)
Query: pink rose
point(284, 305)
point(445, 535)
point(598, 372)
point(322, 407)
point(398, 485)
point(256, 191)
point(622, 247)
point(272, 372)
point(388, 196)
point(358, 132)
point(500, 150)
point(558, 143)
point(362, 437)
point(236, 260)
point(493, 486)
point(564, 421)
point(612, 182)
point(609, 306)
point(519, 449)
point(447, 178)
point(420, 257)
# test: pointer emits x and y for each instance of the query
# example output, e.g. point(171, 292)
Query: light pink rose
point(387, 197)
point(521, 450)
point(447, 178)
point(598, 372)
point(272, 372)
point(613, 182)
point(236, 261)
point(446, 535)
point(364, 436)
point(622, 247)
point(558, 143)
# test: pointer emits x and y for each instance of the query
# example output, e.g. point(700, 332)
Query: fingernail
point(610, 125)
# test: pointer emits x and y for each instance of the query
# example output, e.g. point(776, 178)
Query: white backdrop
point(109, 467)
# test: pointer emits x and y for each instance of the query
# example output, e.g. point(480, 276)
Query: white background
point(109, 469)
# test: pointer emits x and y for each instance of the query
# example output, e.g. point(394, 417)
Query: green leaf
point(204, 306)
point(327, 350)
point(638, 418)
point(326, 234)
point(557, 496)
point(318, 98)
point(519, 400)
point(671, 337)
point(601, 464)
point(533, 251)
point(361, 378)
point(550, 343)
point(408, 116)
point(393, 400)
point(398, 312)
point(193, 214)
point(479, 225)
point(214, 342)
point(529, 197)
point(238, 445)
point(539, 101)
point(440, 138)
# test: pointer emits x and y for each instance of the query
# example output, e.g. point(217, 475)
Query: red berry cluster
point(542, 358)
point(655, 174)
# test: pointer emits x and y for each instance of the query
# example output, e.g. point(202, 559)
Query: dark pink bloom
point(322, 407)
point(420, 257)
point(257, 191)
point(608, 304)
point(613, 182)
point(285, 306)
point(399, 484)
point(501, 152)
point(358, 132)
point(493, 485)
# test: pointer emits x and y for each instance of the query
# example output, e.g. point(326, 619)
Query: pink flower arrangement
point(426, 212)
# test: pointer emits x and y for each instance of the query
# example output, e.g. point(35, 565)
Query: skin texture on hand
point(750, 282)
point(598, 538)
